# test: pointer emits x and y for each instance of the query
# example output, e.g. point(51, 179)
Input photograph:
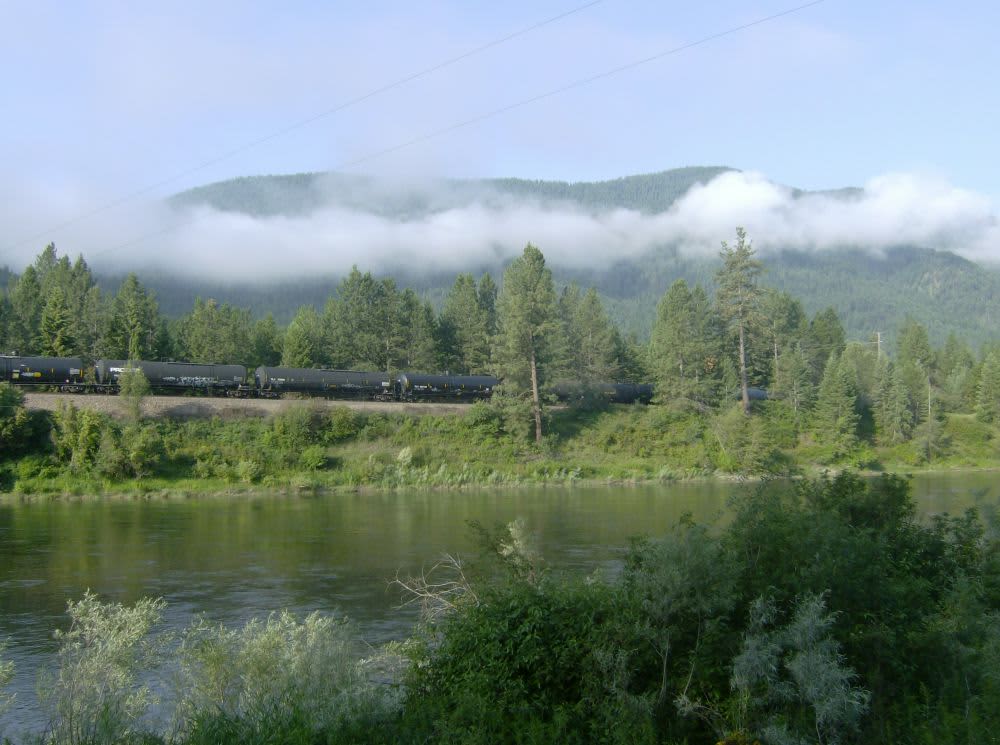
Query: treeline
point(824, 612)
point(839, 398)
point(56, 308)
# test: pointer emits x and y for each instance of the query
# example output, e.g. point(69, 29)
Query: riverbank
point(312, 447)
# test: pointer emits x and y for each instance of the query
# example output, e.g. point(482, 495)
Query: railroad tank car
point(416, 386)
point(274, 381)
point(62, 371)
point(175, 375)
point(628, 393)
point(616, 393)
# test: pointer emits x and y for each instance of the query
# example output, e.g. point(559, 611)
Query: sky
point(105, 99)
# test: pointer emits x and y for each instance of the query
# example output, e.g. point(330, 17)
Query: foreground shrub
point(95, 696)
point(6, 675)
point(281, 675)
point(527, 663)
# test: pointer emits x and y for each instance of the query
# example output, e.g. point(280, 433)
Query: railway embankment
point(204, 407)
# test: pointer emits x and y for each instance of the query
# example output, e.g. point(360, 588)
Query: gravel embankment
point(188, 407)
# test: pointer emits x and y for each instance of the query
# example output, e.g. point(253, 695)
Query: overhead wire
point(512, 106)
point(130, 196)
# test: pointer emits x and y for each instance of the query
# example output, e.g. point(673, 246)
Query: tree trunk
point(743, 374)
point(536, 404)
point(776, 383)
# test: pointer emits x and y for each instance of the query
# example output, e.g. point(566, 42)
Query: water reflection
point(236, 558)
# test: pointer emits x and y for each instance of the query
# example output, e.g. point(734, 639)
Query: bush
point(21, 431)
point(278, 676)
point(529, 663)
point(94, 696)
point(6, 675)
point(341, 424)
point(313, 458)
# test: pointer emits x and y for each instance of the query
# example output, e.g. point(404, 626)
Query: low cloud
point(450, 229)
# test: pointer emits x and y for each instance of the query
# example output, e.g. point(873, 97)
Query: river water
point(235, 558)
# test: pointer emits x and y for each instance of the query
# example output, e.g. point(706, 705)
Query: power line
point(516, 105)
point(303, 123)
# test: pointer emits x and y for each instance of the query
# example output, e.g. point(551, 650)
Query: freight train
point(69, 374)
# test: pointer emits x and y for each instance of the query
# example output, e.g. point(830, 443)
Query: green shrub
point(341, 424)
point(6, 675)
point(313, 458)
point(275, 677)
point(94, 696)
point(529, 663)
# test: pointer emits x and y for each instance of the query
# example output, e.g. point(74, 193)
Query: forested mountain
point(302, 193)
point(871, 290)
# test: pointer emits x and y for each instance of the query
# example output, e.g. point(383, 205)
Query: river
point(235, 558)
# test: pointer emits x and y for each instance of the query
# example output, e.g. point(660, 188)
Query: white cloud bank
point(891, 210)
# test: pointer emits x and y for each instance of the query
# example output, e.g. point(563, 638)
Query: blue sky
point(102, 98)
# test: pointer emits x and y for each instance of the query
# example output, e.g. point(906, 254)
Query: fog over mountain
point(283, 227)
point(455, 226)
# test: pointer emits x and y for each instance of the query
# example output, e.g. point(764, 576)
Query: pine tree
point(594, 354)
point(302, 339)
point(26, 302)
point(527, 318)
point(363, 324)
point(266, 342)
point(784, 322)
point(419, 351)
point(825, 337)
point(55, 335)
point(893, 416)
point(988, 392)
point(835, 418)
point(465, 328)
point(215, 333)
point(793, 382)
point(913, 346)
point(487, 293)
point(738, 298)
point(685, 345)
point(134, 322)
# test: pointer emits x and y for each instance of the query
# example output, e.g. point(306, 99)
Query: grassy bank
point(313, 448)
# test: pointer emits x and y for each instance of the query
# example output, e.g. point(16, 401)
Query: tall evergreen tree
point(487, 293)
point(784, 322)
point(266, 342)
point(988, 391)
point(794, 382)
point(55, 335)
point(302, 339)
point(893, 416)
point(134, 322)
point(364, 324)
point(216, 333)
point(594, 354)
point(835, 417)
point(685, 344)
point(824, 338)
point(26, 302)
point(419, 350)
point(527, 317)
point(465, 328)
point(738, 298)
point(913, 347)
